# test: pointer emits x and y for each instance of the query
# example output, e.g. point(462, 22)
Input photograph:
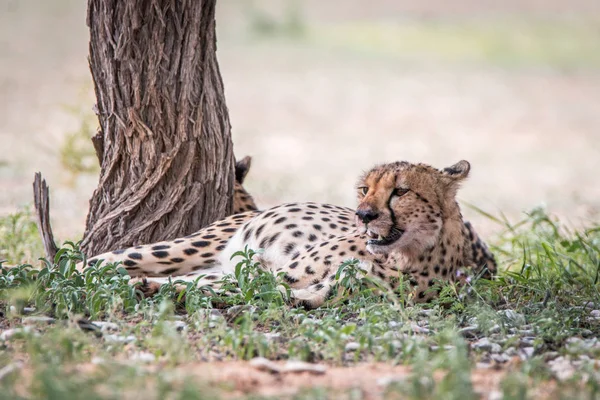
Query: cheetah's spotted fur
point(408, 222)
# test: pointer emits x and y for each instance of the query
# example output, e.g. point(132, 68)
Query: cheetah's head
point(402, 206)
point(242, 200)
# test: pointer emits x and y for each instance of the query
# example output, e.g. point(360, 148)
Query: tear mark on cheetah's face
point(402, 206)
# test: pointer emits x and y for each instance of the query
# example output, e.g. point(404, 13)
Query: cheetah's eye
point(400, 192)
point(364, 190)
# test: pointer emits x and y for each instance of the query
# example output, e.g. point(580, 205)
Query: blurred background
point(319, 90)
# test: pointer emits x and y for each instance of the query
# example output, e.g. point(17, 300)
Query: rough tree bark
point(164, 142)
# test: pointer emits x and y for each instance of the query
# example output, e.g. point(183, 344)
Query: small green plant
point(252, 284)
point(77, 154)
point(19, 238)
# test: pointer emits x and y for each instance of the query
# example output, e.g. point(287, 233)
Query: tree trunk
point(164, 142)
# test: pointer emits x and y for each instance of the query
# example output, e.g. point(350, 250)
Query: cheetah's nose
point(367, 216)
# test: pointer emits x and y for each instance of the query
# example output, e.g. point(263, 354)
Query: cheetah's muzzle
point(379, 240)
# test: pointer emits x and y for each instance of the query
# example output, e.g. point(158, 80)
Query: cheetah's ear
point(458, 171)
point(241, 169)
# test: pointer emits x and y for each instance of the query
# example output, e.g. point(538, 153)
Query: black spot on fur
point(206, 255)
point(309, 270)
point(312, 237)
point(177, 260)
point(160, 254)
point(296, 209)
point(209, 236)
point(263, 243)
point(129, 263)
point(221, 247)
point(201, 243)
point(190, 251)
point(308, 218)
point(291, 226)
point(289, 279)
point(135, 256)
point(230, 230)
point(274, 238)
point(170, 271)
point(279, 220)
point(120, 251)
point(259, 230)
point(293, 265)
point(317, 227)
point(289, 248)
point(297, 234)
point(353, 247)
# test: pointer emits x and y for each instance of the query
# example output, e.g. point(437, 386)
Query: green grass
point(543, 296)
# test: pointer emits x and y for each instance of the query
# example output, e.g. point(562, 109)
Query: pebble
point(9, 333)
point(561, 368)
point(419, 329)
point(38, 319)
point(26, 310)
point(500, 358)
point(527, 341)
point(352, 346)
point(513, 318)
point(526, 353)
point(143, 357)
point(106, 326)
point(274, 337)
point(485, 345)
point(511, 352)
point(119, 338)
point(262, 364)
point(469, 331)
point(301, 366)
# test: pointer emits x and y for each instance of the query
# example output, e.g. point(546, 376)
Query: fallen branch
point(41, 199)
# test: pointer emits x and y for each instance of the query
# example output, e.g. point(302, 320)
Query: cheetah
point(407, 222)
